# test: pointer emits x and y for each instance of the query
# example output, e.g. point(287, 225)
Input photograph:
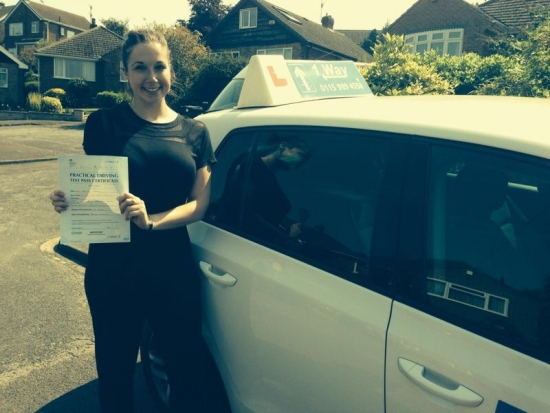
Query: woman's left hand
point(134, 209)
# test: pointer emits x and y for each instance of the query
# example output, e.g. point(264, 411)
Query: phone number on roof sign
point(334, 87)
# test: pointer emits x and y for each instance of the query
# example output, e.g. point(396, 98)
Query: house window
point(442, 41)
point(62, 31)
point(70, 34)
point(16, 29)
point(248, 18)
point(283, 51)
point(123, 77)
point(233, 53)
point(74, 69)
point(35, 27)
point(3, 77)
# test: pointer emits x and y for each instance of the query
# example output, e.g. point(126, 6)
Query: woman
point(153, 277)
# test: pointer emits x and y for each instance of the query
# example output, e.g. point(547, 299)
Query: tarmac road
point(46, 341)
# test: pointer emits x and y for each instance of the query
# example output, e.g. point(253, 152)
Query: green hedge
point(108, 99)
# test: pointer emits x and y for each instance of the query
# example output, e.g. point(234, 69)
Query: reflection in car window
point(311, 193)
point(226, 195)
point(489, 239)
point(229, 96)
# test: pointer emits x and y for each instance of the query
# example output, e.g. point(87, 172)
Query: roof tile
point(91, 44)
point(516, 13)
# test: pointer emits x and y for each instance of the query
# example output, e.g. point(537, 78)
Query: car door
point(296, 302)
point(469, 330)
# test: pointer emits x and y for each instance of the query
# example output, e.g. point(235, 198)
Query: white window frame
point(70, 34)
point(233, 53)
point(60, 69)
point(16, 29)
point(286, 52)
point(436, 39)
point(3, 77)
point(35, 26)
point(62, 31)
point(248, 18)
point(123, 77)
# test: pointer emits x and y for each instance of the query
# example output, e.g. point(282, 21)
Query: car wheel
point(153, 370)
point(159, 386)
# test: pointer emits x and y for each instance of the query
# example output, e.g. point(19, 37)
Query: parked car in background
point(374, 254)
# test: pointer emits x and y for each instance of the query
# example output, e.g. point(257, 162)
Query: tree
point(370, 41)
point(117, 26)
point(214, 74)
point(205, 14)
point(26, 54)
point(528, 69)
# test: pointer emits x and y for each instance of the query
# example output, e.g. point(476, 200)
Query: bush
point(52, 105)
point(109, 99)
point(34, 101)
point(30, 76)
point(396, 71)
point(31, 82)
point(78, 93)
point(57, 93)
point(31, 86)
point(467, 72)
point(214, 74)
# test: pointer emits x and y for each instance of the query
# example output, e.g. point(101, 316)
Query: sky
point(347, 14)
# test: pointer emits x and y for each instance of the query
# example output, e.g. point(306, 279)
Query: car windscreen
point(229, 96)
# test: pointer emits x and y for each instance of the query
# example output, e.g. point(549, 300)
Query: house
point(456, 26)
point(258, 27)
point(94, 55)
point(29, 22)
point(4, 11)
point(12, 71)
point(448, 26)
point(517, 15)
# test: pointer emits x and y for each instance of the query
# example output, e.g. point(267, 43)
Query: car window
point(489, 245)
point(312, 193)
point(229, 96)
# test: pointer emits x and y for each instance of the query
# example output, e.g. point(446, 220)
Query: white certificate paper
point(92, 185)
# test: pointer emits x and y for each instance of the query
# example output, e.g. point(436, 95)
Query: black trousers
point(119, 307)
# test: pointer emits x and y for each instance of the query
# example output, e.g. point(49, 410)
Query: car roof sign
point(272, 81)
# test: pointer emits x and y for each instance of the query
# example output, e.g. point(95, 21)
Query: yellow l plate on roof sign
point(272, 80)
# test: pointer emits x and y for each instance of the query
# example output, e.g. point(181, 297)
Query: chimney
point(327, 22)
point(93, 23)
point(2, 4)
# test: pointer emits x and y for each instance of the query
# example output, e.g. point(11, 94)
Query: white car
point(375, 254)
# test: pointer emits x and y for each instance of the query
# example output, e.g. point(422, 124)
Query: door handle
point(224, 279)
point(452, 392)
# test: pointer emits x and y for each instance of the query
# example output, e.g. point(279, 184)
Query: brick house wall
point(14, 94)
point(427, 15)
point(107, 76)
point(111, 72)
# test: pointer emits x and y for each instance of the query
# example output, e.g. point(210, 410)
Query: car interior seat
point(480, 230)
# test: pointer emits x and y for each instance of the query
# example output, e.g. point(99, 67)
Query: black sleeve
point(94, 134)
point(202, 146)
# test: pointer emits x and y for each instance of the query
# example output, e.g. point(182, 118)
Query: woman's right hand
point(58, 200)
